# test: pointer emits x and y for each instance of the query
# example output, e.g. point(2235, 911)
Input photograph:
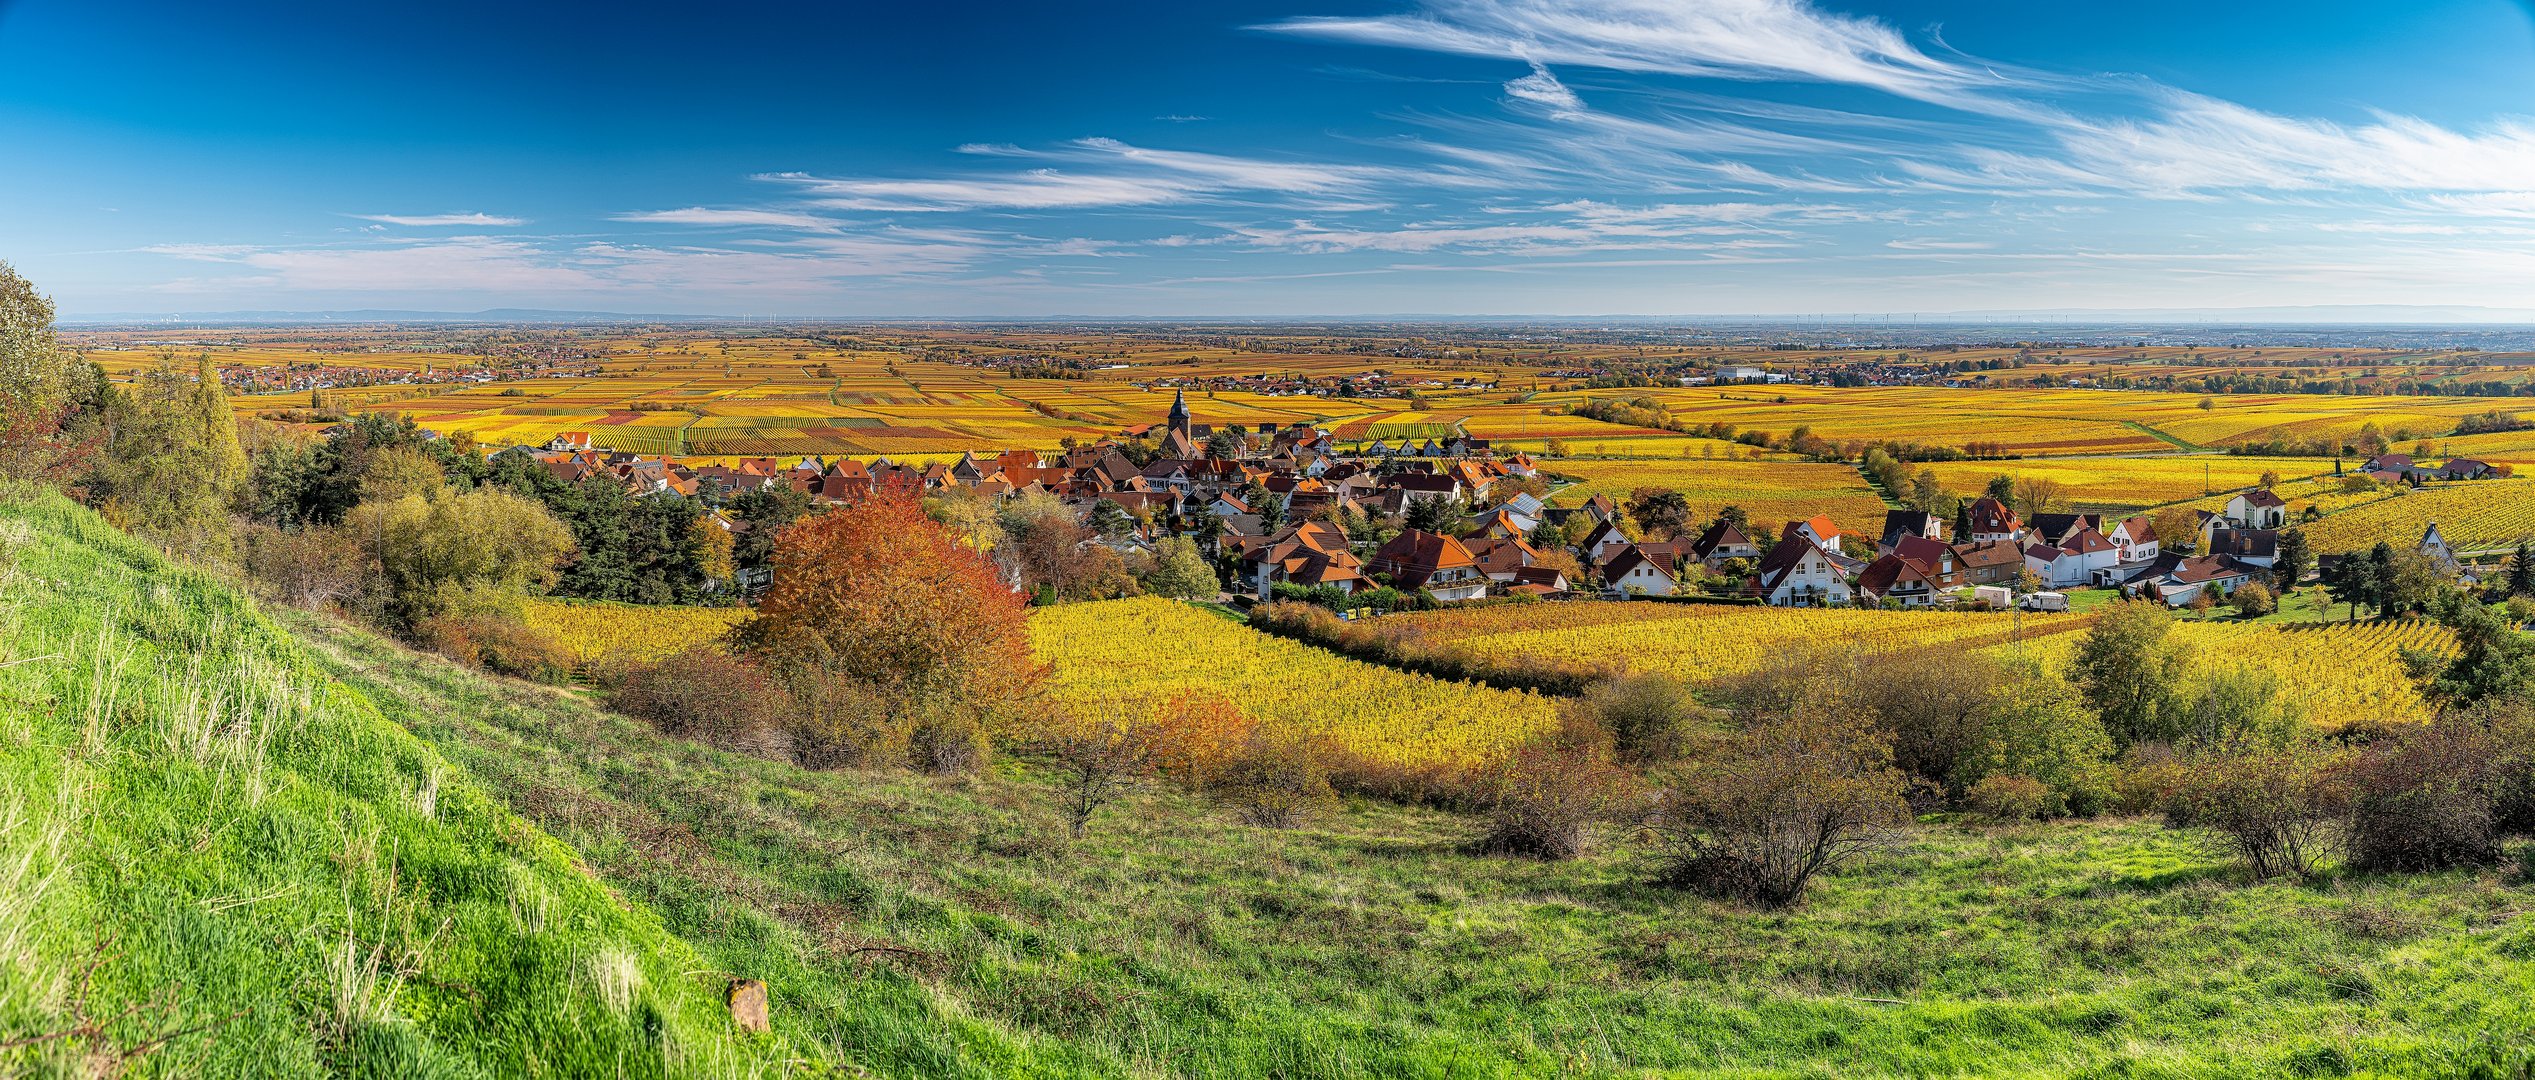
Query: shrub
point(1097, 763)
point(838, 722)
point(2279, 808)
point(947, 739)
point(1275, 780)
point(2426, 801)
point(2146, 778)
point(499, 643)
point(2255, 599)
point(1647, 716)
point(2009, 798)
point(1541, 800)
point(1776, 805)
point(703, 694)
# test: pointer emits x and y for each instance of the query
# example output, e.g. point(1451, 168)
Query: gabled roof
point(2085, 541)
point(1719, 533)
point(1928, 556)
point(1790, 552)
point(1988, 515)
point(2262, 497)
point(1884, 574)
point(1416, 556)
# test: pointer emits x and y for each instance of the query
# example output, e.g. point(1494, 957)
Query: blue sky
point(1246, 158)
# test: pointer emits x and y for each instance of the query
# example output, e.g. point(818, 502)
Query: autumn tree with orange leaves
point(882, 618)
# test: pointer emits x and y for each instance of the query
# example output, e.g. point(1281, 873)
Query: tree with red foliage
point(878, 594)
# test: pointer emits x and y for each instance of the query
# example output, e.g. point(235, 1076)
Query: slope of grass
point(946, 928)
point(217, 861)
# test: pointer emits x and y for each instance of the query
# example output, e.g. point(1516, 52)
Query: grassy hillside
point(933, 925)
point(223, 801)
point(217, 861)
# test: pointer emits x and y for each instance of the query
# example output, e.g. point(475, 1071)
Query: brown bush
point(2145, 779)
point(1649, 717)
point(2280, 809)
point(1542, 800)
point(1099, 761)
point(947, 739)
point(2425, 801)
point(1776, 805)
point(1276, 779)
point(2008, 798)
point(705, 695)
point(840, 722)
point(499, 643)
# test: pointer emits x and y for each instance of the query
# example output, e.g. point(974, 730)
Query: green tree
point(2296, 557)
point(458, 553)
point(2521, 574)
point(2493, 659)
point(1660, 514)
point(2127, 669)
point(173, 469)
point(1109, 519)
point(1181, 572)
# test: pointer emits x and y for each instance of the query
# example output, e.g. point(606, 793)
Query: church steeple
point(1179, 412)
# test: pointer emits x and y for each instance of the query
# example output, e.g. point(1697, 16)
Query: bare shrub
point(2426, 800)
point(499, 643)
point(313, 567)
point(1649, 717)
point(1276, 780)
point(1777, 804)
point(1543, 799)
point(947, 739)
point(1099, 762)
point(840, 722)
point(2279, 808)
point(703, 694)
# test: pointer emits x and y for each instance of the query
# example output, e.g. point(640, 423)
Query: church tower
point(1179, 415)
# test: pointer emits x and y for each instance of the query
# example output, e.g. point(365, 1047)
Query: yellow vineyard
point(1772, 492)
point(630, 632)
point(1140, 652)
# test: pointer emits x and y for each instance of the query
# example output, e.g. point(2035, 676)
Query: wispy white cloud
point(1542, 88)
point(708, 216)
point(1096, 173)
point(433, 221)
point(1729, 39)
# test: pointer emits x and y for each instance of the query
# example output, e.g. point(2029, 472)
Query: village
point(1288, 513)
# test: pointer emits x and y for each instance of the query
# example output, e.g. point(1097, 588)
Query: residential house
point(1797, 572)
point(1893, 578)
point(1990, 522)
point(2190, 577)
point(2260, 508)
point(2134, 540)
point(1820, 529)
point(1901, 523)
point(1310, 554)
point(1634, 572)
point(1431, 561)
point(1723, 540)
point(1995, 562)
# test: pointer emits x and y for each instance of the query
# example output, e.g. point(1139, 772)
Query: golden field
point(2123, 484)
point(932, 390)
point(1772, 492)
point(600, 632)
point(1138, 653)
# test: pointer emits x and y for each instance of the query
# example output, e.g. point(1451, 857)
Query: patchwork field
point(1773, 492)
point(2133, 483)
point(2474, 515)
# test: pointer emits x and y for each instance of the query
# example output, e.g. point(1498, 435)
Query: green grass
point(203, 836)
point(1173, 941)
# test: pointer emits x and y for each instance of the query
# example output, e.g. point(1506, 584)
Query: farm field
point(1773, 492)
point(2122, 484)
point(1138, 653)
point(1700, 643)
point(2474, 515)
point(601, 632)
point(2342, 674)
point(931, 391)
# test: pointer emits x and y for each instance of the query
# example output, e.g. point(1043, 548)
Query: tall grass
point(217, 860)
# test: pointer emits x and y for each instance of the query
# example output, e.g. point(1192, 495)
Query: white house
point(1631, 572)
point(2134, 540)
point(1798, 573)
point(2258, 509)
